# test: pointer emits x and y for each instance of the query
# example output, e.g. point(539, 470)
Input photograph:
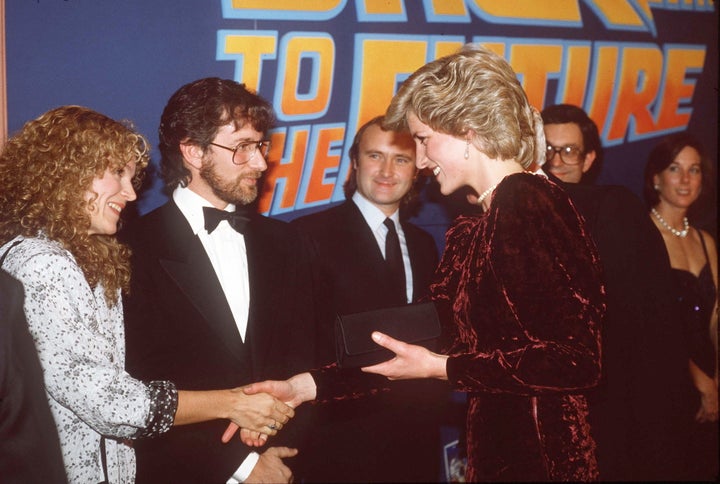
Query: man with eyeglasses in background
point(574, 153)
point(632, 411)
point(220, 295)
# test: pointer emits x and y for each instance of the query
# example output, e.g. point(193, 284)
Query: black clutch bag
point(413, 323)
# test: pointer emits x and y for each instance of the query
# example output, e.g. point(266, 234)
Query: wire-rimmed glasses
point(244, 151)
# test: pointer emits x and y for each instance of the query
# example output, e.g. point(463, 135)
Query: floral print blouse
point(81, 343)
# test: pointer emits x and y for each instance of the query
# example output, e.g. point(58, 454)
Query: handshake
point(265, 407)
point(261, 409)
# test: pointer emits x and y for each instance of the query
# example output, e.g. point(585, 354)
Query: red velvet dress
point(521, 288)
point(519, 291)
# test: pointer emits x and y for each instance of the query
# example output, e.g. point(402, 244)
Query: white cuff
point(243, 472)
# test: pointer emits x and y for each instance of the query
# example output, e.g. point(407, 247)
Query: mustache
point(254, 174)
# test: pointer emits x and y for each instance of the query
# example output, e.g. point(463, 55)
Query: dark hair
point(663, 154)
point(196, 111)
point(568, 113)
point(407, 204)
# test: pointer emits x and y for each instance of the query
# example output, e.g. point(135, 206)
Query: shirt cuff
point(243, 472)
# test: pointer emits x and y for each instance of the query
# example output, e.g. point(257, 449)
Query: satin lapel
point(184, 259)
point(266, 271)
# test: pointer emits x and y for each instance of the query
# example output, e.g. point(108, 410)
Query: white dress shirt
point(226, 249)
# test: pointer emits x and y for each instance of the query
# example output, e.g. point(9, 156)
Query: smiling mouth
point(118, 208)
point(436, 171)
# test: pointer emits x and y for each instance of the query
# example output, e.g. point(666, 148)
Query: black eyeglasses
point(244, 152)
point(569, 154)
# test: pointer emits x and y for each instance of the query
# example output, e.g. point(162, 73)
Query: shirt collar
point(191, 205)
point(373, 215)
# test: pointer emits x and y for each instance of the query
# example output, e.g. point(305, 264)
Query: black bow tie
point(237, 219)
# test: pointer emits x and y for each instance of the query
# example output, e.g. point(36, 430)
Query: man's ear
point(588, 161)
point(192, 154)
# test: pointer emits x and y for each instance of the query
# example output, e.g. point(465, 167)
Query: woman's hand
point(260, 412)
point(410, 361)
point(293, 391)
point(708, 411)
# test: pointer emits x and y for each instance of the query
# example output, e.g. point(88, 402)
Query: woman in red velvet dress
point(519, 285)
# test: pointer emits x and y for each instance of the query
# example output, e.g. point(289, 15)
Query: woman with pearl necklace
point(675, 173)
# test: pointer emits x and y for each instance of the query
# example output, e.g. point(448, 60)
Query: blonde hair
point(46, 171)
point(473, 89)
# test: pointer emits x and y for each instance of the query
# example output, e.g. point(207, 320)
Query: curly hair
point(196, 111)
point(472, 89)
point(47, 169)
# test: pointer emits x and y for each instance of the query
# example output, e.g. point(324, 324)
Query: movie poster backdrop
point(640, 68)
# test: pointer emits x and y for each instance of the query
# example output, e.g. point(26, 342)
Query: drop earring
point(467, 149)
point(657, 188)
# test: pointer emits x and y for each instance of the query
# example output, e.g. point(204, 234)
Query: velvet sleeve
point(540, 300)
point(336, 384)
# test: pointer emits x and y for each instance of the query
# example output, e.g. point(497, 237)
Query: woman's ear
point(656, 182)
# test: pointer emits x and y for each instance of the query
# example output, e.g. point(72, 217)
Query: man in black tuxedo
point(633, 412)
point(29, 444)
point(390, 437)
point(220, 296)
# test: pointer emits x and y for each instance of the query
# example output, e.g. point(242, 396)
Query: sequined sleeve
point(163, 405)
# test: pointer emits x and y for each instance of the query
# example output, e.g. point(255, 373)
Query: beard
point(230, 191)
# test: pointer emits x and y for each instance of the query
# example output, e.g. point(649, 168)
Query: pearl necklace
point(485, 194)
point(676, 233)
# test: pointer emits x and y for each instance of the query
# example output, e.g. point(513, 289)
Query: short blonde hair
point(473, 89)
point(46, 170)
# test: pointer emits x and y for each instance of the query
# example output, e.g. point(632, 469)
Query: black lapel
point(362, 234)
point(266, 275)
point(186, 262)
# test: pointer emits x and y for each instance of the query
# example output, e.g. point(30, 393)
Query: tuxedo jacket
point(179, 327)
point(633, 411)
point(353, 277)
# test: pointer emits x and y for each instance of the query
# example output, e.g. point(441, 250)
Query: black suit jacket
point(634, 410)
point(179, 327)
point(354, 275)
point(29, 444)
point(390, 437)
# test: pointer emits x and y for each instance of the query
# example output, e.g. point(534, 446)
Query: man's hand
point(259, 412)
point(250, 438)
point(293, 391)
point(270, 467)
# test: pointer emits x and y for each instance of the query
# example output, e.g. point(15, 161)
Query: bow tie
point(237, 219)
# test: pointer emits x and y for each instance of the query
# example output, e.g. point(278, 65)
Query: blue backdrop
point(640, 68)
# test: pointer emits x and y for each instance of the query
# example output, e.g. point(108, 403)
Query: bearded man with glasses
point(220, 295)
point(632, 412)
